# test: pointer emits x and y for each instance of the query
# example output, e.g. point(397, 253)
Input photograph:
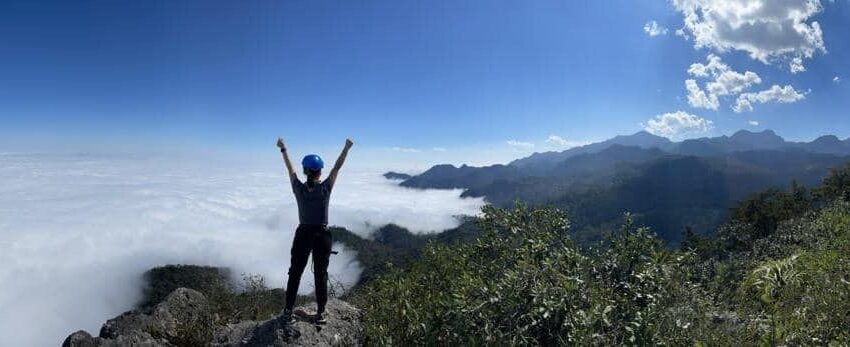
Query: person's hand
point(280, 143)
point(348, 143)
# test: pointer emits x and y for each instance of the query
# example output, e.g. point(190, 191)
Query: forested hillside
point(777, 272)
point(669, 186)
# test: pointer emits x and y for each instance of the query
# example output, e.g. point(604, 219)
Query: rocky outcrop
point(184, 318)
point(342, 329)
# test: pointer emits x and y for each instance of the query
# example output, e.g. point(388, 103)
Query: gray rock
point(80, 338)
point(343, 328)
point(184, 318)
point(132, 338)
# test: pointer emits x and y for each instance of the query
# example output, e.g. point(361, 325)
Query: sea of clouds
point(78, 230)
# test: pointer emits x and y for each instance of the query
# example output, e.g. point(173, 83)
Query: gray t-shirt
point(312, 202)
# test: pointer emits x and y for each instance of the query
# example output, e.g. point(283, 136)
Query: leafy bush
point(836, 185)
point(523, 282)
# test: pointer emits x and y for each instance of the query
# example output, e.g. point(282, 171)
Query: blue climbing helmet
point(312, 162)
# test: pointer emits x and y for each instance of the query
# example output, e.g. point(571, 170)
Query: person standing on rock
point(312, 234)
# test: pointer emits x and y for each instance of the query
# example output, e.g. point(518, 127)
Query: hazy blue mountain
point(668, 185)
point(539, 164)
point(827, 144)
point(673, 192)
point(555, 164)
point(572, 174)
point(605, 160)
point(742, 140)
point(748, 140)
point(392, 175)
point(448, 176)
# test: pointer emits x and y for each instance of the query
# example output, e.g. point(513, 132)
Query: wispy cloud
point(562, 143)
point(836, 79)
point(652, 28)
point(406, 149)
point(754, 123)
point(521, 145)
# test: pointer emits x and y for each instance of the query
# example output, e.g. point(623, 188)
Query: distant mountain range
point(742, 140)
point(669, 184)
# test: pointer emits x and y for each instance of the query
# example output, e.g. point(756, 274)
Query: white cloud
point(557, 140)
point(731, 82)
point(724, 81)
point(439, 149)
point(652, 28)
point(562, 143)
point(520, 144)
point(713, 67)
point(677, 124)
point(786, 94)
point(681, 33)
point(836, 79)
point(796, 65)
point(767, 30)
point(698, 98)
point(76, 231)
point(406, 150)
point(754, 123)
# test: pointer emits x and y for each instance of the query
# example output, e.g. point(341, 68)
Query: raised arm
point(292, 174)
point(339, 161)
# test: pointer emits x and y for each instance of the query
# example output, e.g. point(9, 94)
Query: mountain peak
point(764, 139)
point(643, 134)
point(641, 139)
point(827, 139)
point(747, 133)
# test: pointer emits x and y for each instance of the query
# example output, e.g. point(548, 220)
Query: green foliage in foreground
point(524, 282)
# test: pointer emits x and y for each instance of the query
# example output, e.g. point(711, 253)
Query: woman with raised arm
point(312, 235)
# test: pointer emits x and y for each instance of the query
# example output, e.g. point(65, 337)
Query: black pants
point(316, 239)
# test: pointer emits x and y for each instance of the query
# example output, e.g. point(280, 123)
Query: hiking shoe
point(320, 319)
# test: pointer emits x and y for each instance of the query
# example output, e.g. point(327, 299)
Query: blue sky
point(403, 75)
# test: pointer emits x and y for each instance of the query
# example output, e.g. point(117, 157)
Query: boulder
point(343, 328)
point(184, 318)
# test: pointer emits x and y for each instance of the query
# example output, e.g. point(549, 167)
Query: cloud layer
point(77, 231)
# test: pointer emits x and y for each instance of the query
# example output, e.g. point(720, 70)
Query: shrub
point(524, 283)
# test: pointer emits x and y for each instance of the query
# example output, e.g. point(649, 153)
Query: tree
point(836, 185)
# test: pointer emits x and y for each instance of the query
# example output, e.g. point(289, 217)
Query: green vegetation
point(250, 299)
point(776, 273)
point(394, 246)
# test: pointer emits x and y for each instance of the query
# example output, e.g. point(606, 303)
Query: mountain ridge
point(598, 182)
point(741, 140)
